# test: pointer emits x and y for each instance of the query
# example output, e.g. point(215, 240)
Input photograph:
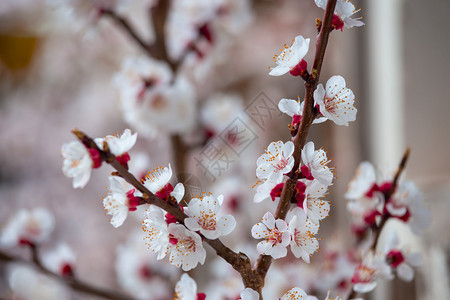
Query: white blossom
point(27, 226)
point(116, 202)
point(275, 234)
point(336, 101)
point(77, 163)
point(118, 145)
point(302, 230)
point(157, 234)
point(186, 248)
point(140, 273)
point(297, 294)
point(158, 178)
point(293, 108)
point(186, 288)
point(203, 217)
point(365, 274)
point(160, 108)
point(61, 260)
point(420, 215)
point(290, 56)
point(344, 10)
point(407, 203)
point(315, 163)
point(264, 190)
point(157, 182)
point(364, 207)
point(363, 181)
point(399, 258)
point(183, 23)
point(139, 73)
point(220, 110)
point(28, 284)
point(276, 161)
point(315, 207)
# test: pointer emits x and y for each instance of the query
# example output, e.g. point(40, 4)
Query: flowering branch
point(239, 261)
point(400, 169)
point(69, 280)
point(377, 229)
point(309, 114)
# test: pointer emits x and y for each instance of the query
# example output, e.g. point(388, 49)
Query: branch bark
point(157, 49)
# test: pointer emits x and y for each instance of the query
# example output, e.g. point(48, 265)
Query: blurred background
point(58, 60)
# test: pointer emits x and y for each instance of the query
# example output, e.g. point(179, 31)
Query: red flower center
point(145, 272)
point(67, 270)
point(95, 156)
point(395, 258)
point(164, 193)
point(299, 69)
point(337, 23)
point(276, 191)
point(306, 172)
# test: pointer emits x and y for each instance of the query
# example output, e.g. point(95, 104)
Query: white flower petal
point(249, 294)
point(279, 251)
point(264, 248)
point(414, 259)
point(279, 70)
point(289, 106)
point(259, 231)
point(405, 272)
point(226, 224)
point(178, 192)
point(364, 287)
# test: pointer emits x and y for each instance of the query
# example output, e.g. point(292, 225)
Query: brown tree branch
point(159, 15)
point(74, 283)
point(299, 139)
point(157, 49)
point(239, 261)
point(179, 150)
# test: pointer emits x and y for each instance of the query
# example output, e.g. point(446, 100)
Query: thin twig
point(126, 26)
point(75, 284)
point(157, 49)
point(378, 229)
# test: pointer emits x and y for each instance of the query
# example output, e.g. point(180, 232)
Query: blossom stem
point(299, 139)
point(378, 229)
point(75, 284)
